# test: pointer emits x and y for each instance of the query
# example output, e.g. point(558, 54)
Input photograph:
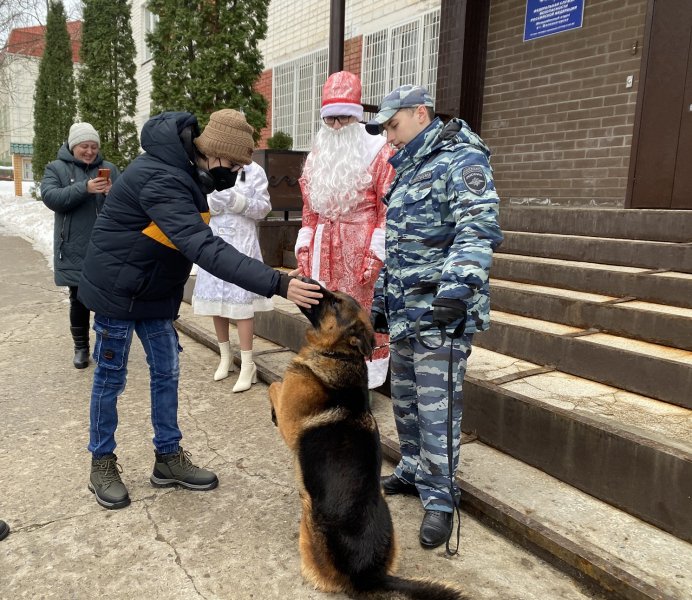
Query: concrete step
point(654, 225)
point(626, 557)
point(664, 287)
point(626, 317)
point(598, 544)
point(673, 256)
point(652, 370)
point(628, 450)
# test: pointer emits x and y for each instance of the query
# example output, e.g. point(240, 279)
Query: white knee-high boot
point(248, 372)
point(226, 362)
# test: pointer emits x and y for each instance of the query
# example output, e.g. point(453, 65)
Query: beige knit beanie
point(227, 135)
point(82, 132)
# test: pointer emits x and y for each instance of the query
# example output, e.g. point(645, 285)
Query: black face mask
point(218, 178)
point(223, 177)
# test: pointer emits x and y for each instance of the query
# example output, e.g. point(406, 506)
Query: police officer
point(441, 230)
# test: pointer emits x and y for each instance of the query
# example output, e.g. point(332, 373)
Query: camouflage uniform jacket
point(441, 229)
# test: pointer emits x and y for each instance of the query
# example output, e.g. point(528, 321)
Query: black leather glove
point(448, 310)
point(379, 321)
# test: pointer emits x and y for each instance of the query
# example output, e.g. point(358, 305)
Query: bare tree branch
point(29, 13)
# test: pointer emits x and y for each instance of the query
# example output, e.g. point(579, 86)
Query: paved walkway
point(237, 542)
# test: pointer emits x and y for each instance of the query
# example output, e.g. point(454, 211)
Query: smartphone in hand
point(105, 173)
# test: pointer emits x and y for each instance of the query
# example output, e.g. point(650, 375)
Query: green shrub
point(280, 141)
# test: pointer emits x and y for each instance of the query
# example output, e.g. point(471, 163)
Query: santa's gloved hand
point(379, 321)
point(371, 268)
point(448, 310)
point(303, 260)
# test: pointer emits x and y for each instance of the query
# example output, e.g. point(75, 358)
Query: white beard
point(336, 170)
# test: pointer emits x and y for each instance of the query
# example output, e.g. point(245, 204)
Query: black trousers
point(79, 314)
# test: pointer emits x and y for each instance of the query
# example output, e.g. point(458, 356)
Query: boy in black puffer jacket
point(153, 228)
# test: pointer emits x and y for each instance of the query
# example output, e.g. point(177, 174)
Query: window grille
point(297, 95)
point(406, 53)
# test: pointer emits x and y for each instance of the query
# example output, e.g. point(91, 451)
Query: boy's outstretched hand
point(303, 292)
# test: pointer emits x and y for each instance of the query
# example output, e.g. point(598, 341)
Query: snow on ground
point(26, 217)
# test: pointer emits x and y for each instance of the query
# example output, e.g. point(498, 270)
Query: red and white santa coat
point(347, 253)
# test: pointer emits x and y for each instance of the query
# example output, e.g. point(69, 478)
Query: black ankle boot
point(80, 335)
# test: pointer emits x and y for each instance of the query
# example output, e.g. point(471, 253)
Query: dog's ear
point(362, 344)
point(363, 339)
point(316, 311)
point(327, 296)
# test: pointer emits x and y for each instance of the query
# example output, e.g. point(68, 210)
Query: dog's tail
point(421, 589)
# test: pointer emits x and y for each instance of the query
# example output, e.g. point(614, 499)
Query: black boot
point(80, 335)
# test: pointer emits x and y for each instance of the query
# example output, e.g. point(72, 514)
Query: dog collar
point(337, 355)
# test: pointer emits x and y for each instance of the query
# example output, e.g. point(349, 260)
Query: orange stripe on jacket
point(152, 230)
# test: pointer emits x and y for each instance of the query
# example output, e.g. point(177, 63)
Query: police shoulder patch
point(475, 179)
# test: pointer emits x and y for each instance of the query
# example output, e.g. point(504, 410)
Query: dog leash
point(456, 334)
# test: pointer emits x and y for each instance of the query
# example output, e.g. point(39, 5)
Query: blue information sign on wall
point(546, 17)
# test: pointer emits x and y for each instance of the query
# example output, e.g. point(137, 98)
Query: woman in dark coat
point(75, 187)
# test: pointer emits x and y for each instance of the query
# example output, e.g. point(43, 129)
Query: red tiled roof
point(30, 41)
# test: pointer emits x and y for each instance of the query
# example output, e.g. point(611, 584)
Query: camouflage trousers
point(420, 401)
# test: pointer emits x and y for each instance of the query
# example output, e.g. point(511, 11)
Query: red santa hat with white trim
point(341, 96)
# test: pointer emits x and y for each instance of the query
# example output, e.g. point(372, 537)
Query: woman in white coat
point(234, 216)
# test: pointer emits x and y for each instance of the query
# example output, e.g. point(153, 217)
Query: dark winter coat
point(151, 231)
point(64, 191)
point(442, 229)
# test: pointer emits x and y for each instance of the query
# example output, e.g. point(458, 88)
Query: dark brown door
point(662, 152)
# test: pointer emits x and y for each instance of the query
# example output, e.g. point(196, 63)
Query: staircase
point(597, 304)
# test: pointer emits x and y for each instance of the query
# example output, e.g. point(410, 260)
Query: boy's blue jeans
point(111, 350)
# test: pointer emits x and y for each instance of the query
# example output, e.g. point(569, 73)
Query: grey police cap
point(405, 96)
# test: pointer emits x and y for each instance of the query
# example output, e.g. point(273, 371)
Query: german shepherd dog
point(321, 408)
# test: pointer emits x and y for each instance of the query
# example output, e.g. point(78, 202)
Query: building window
point(406, 53)
point(149, 21)
point(297, 95)
point(27, 173)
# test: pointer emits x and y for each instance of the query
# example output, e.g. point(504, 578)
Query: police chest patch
point(421, 177)
point(475, 179)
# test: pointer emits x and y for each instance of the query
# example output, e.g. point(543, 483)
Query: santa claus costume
point(346, 174)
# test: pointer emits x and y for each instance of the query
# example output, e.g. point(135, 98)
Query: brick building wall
point(557, 113)
point(353, 53)
point(264, 87)
point(143, 61)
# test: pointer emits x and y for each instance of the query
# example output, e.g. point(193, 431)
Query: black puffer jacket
point(151, 231)
point(64, 191)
